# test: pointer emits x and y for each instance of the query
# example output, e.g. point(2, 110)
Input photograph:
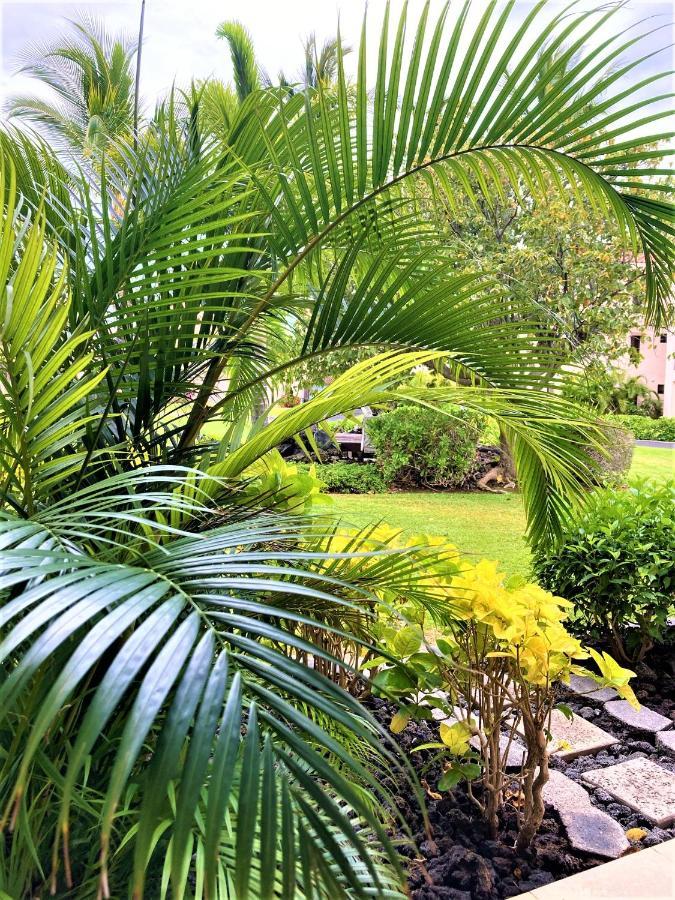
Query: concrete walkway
point(646, 875)
point(660, 445)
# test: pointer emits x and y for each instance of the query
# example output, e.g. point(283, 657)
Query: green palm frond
point(185, 636)
point(463, 111)
point(242, 54)
point(44, 382)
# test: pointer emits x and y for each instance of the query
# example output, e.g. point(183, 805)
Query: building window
point(635, 341)
point(664, 338)
point(659, 388)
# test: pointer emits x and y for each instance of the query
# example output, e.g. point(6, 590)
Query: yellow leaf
point(456, 737)
point(399, 721)
point(636, 834)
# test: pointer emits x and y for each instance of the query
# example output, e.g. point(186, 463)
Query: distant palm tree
point(319, 67)
point(91, 72)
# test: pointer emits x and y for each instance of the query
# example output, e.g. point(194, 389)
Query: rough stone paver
point(516, 750)
point(642, 785)
point(588, 828)
point(665, 740)
point(576, 736)
point(644, 719)
point(588, 688)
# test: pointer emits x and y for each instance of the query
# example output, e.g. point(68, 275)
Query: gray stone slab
point(642, 785)
point(588, 689)
point(576, 736)
point(516, 751)
point(665, 740)
point(643, 719)
point(588, 828)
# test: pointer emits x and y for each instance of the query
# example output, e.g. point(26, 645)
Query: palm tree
point(163, 726)
point(91, 72)
point(320, 65)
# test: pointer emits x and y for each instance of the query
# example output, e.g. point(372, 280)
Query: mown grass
point(481, 525)
point(653, 462)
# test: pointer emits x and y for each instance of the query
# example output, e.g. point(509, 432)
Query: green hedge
point(644, 429)
point(350, 478)
point(615, 563)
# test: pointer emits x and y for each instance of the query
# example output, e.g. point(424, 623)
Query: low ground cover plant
point(350, 478)
point(418, 447)
point(615, 562)
point(490, 670)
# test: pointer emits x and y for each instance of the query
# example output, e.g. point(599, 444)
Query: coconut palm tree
point(91, 74)
point(162, 725)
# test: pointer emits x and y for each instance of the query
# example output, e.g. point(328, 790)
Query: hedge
point(644, 429)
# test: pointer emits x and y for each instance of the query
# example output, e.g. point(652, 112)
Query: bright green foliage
point(643, 429)
point(418, 447)
point(350, 478)
point(610, 390)
point(242, 54)
point(616, 564)
point(273, 482)
point(165, 733)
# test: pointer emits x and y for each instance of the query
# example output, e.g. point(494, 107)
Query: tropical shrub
point(489, 677)
point(644, 429)
point(425, 447)
point(610, 390)
point(351, 478)
point(615, 562)
point(164, 731)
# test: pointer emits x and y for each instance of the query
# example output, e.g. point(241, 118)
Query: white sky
point(180, 42)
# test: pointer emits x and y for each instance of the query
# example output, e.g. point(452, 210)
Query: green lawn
point(653, 462)
point(480, 524)
point(484, 525)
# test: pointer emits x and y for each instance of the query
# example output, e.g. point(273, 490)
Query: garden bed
point(463, 863)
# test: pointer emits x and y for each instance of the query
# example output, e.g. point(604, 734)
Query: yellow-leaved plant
point(487, 669)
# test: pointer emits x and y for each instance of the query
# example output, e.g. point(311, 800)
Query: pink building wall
point(657, 366)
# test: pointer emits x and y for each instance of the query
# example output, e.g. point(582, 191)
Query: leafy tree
point(157, 618)
point(91, 72)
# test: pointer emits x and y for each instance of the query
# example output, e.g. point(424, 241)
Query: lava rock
point(641, 746)
point(655, 836)
point(536, 880)
point(588, 712)
point(603, 796)
point(618, 810)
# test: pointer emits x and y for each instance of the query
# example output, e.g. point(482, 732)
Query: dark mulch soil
point(463, 863)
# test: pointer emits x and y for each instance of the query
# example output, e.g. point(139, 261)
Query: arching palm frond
point(186, 642)
point(242, 54)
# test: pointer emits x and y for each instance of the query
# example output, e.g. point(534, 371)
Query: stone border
point(648, 874)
